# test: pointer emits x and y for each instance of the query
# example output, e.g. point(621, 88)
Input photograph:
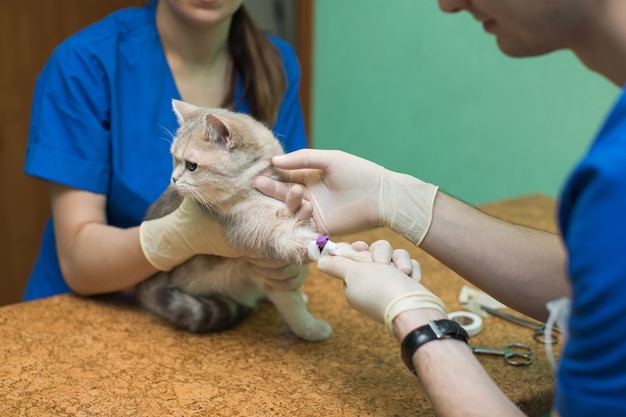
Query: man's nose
point(454, 6)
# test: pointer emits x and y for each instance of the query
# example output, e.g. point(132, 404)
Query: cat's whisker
point(209, 196)
point(206, 199)
point(169, 141)
point(279, 135)
point(172, 135)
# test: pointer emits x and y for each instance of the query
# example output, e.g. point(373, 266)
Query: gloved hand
point(187, 231)
point(280, 277)
point(350, 194)
point(374, 285)
point(406, 205)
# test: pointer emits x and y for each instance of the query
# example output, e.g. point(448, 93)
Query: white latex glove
point(374, 285)
point(187, 231)
point(282, 278)
point(350, 194)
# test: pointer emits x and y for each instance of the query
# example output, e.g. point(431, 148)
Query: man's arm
point(522, 267)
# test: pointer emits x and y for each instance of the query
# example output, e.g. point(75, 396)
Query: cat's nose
point(174, 179)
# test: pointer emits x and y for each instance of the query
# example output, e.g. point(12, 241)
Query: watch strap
point(434, 330)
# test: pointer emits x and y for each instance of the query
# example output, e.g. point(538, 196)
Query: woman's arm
point(94, 256)
point(98, 258)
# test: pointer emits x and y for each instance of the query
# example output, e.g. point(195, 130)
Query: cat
point(217, 153)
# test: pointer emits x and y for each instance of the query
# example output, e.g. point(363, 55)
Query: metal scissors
point(540, 329)
point(514, 353)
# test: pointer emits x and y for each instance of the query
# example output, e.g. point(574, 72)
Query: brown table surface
point(68, 355)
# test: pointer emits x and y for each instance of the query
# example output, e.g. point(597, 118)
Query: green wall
point(430, 94)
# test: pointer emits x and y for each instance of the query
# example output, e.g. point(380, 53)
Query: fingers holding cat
point(283, 277)
point(270, 182)
point(342, 189)
point(351, 194)
point(301, 208)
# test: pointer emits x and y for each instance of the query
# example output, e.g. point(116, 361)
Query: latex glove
point(187, 231)
point(373, 283)
point(350, 194)
point(282, 278)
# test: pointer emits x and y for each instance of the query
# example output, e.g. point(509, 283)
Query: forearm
point(522, 267)
point(455, 382)
point(105, 259)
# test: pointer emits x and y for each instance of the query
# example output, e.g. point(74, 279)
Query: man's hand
point(350, 194)
point(372, 277)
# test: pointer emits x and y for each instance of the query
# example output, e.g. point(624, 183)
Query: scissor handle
point(548, 339)
point(518, 354)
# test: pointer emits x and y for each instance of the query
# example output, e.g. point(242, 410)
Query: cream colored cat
point(217, 153)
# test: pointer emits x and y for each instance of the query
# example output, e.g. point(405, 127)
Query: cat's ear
point(182, 110)
point(218, 131)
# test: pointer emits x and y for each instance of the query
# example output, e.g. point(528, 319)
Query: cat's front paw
point(314, 331)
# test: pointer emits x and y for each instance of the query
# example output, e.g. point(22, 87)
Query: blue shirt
point(102, 121)
point(591, 378)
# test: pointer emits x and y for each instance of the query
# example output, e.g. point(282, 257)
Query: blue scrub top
point(102, 121)
point(591, 377)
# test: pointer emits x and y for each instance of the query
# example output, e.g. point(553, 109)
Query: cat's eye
point(191, 166)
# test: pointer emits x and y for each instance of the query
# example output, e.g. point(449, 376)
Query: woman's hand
point(279, 277)
point(187, 231)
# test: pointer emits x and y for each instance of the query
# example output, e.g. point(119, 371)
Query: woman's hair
point(257, 61)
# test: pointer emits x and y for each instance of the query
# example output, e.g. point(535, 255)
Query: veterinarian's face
point(527, 27)
point(203, 13)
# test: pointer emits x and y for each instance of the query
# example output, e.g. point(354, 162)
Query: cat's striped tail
point(197, 314)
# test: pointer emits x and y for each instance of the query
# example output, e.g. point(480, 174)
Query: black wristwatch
point(436, 329)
